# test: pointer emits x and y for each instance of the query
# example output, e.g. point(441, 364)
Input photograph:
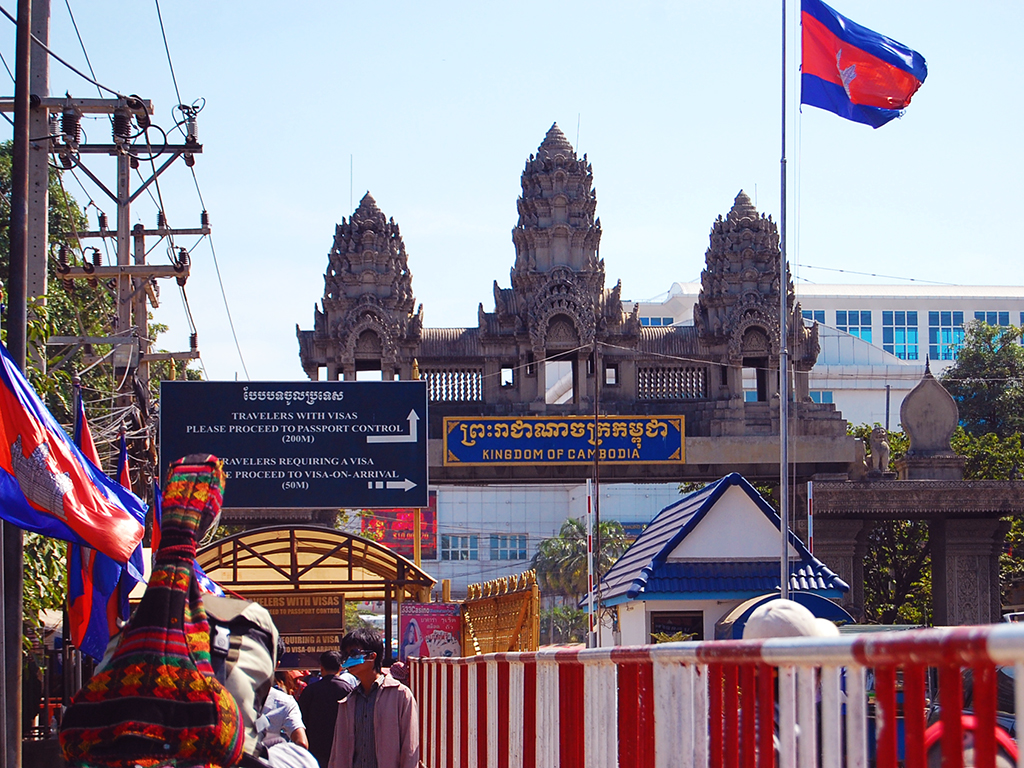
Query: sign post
point(304, 444)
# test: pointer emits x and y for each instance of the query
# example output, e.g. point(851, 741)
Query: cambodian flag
point(98, 587)
point(854, 72)
point(49, 487)
point(134, 571)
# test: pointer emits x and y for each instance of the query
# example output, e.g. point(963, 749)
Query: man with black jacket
point(319, 705)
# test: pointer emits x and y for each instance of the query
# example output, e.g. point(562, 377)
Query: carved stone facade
point(367, 318)
point(558, 338)
point(967, 519)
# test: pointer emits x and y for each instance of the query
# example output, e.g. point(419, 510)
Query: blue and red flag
point(49, 487)
point(98, 587)
point(134, 571)
point(93, 577)
point(854, 72)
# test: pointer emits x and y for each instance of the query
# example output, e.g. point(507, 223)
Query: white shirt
point(281, 714)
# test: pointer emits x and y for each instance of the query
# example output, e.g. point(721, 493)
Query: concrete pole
point(13, 577)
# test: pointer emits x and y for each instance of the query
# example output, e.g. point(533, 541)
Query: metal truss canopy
point(286, 559)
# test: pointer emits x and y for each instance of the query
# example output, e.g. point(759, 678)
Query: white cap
point(786, 618)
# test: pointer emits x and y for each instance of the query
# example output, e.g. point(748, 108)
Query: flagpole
point(783, 349)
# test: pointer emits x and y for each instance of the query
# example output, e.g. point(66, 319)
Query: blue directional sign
point(339, 444)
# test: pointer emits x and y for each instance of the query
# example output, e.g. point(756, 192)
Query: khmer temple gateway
point(558, 338)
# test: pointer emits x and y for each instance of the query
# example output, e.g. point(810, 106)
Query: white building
point(874, 338)
point(489, 531)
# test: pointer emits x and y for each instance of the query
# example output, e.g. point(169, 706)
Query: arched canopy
point(286, 559)
point(730, 627)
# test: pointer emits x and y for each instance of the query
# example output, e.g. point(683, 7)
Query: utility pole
point(13, 554)
point(134, 278)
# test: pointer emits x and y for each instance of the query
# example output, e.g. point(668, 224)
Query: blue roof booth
point(702, 557)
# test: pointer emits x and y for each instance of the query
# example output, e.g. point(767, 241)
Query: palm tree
point(561, 561)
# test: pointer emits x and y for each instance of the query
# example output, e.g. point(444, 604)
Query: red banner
point(394, 528)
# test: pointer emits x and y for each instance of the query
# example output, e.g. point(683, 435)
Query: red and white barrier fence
point(844, 702)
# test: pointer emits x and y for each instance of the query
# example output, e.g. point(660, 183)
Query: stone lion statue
point(878, 461)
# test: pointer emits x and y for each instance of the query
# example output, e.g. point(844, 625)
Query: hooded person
point(157, 700)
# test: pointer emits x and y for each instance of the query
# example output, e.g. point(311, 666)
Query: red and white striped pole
point(592, 635)
point(810, 516)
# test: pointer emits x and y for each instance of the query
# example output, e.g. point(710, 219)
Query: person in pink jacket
point(378, 723)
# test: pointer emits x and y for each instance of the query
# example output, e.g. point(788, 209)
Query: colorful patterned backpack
point(158, 702)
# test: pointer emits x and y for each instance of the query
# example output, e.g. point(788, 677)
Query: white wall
point(634, 622)
point(735, 529)
point(535, 510)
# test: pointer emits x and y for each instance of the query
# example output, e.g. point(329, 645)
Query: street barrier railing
point(879, 699)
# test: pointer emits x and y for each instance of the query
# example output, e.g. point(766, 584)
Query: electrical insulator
point(62, 260)
point(139, 108)
point(133, 162)
point(97, 257)
point(70, 126)
point(103, 220)
point(191, 129)
point(55, 131)
point(181, 266)
point(190, 159)
point(204, 219)
point(193, 342)
point(122, 125)
point(161, 220)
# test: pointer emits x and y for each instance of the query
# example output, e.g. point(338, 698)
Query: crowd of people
point(192, 679)
point(354, 714)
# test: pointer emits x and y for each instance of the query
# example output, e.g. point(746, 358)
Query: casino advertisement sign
point(550, 440)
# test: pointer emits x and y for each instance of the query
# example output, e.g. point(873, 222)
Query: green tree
point(563, 624)
point(987, 380)
point(561, 561)
point(897, 566)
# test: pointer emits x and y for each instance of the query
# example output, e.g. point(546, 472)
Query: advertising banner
point(394, 528)
point(549, 440)
point(430, 629)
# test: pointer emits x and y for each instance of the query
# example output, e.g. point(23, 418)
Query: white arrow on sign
point(391, 485)
point(410, 438)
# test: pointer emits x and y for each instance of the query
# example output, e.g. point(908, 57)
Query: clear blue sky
point(438, 105)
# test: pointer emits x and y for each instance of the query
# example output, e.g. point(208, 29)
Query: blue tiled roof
point(643, 569)
point(745, 576)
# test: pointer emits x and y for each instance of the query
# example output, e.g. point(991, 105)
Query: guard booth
point(305, 575)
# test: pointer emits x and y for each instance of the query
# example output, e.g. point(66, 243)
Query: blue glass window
point(818, 315)
point(899, 334)
point(856, 322)
point(945, 334)
point(1000, 319)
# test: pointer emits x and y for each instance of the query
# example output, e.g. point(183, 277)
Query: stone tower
point(558, 301)
point(737, 312)
point(367, 321)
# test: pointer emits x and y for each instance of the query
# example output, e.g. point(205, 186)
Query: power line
point(77, 71)
point(195, 180)
point(220, 282)
point(81, 42)
point(872, 274)
point(167, 49)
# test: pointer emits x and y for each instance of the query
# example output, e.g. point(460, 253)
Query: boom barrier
point(880, 699)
